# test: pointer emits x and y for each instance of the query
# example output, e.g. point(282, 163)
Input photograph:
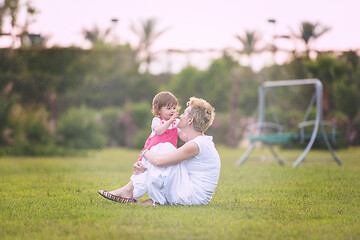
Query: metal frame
point(318, 122)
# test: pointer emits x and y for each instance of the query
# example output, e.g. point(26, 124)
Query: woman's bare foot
point(125, 192)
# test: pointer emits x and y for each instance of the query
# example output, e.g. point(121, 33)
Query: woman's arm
point(188, 150)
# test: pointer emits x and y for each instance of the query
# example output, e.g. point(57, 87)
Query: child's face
point(167, 111)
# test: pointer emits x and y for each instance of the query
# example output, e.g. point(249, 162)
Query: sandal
point(114, 198)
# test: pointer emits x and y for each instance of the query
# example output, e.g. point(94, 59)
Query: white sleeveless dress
point(191, 182)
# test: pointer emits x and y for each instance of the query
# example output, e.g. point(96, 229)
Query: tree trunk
point(53, 111)
point(325, 103)
point(232, 135)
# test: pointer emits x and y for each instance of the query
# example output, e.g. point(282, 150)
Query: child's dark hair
point(163, 99)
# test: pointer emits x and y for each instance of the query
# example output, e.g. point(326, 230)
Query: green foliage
point(184, 83)
point(29, 125)
point(28, 134)
point(6, 105)
point(34, 149)
point(258, 200)
point(248, 92)
point(326, 68)
point(81, 128)
point(354, 135)
point(137, 122)
point(140, 138)
point(35, 129)
point(114, 128)
point(58, 79)
point(141, 114)
point(109, 78)
point(215, 83)
point(297, 68)
point(347, 99)
point(219, 128)
point(212, 84)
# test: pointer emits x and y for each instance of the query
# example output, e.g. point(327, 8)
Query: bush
point(137, 122)
point(28, 149)
point(29, 126)
point(128, 126)
point(36, 131)
point(114, 129)
point(140, 138)
point(219, 128)
point(6, 105)
point(141, 114)
point(81, 128)
point(30, 136)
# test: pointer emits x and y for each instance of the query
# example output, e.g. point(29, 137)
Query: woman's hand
point(139, 168)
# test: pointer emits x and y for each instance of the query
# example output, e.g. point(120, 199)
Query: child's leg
point(139, 182)
point(156, 175)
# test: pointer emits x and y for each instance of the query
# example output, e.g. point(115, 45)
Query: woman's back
point(203, 170)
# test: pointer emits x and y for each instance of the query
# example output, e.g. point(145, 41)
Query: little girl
point(165, 108)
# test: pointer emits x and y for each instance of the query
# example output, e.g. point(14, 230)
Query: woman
point(187, 175)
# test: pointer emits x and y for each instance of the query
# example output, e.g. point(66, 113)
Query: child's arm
point(139, 168)
point(162, 128)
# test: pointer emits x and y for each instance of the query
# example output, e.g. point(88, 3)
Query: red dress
point(170, 135)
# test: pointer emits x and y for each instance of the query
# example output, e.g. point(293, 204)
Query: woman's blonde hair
point(202, 113)
point(164, 99)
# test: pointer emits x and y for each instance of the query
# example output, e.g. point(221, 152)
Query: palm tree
point(147, 33)
point(310, 32)
point(249, 42)
point(10, 10)
point(96, 36)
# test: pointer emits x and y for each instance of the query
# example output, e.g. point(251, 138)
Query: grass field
point(56, 198)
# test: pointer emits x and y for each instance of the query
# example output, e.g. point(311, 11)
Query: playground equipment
point(279, 137)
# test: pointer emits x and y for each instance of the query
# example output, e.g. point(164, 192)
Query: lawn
point(56, 198)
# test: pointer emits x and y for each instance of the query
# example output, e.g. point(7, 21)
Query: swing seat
point(306, 136)
point(282, 138)
point(268, 135)
point(275, 138)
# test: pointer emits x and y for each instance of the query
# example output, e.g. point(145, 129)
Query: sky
point(200, 24)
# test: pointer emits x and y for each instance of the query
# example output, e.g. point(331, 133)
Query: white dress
point(140, 180)
point(191, 182)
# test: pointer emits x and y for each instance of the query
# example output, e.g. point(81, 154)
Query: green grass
point(56, 198)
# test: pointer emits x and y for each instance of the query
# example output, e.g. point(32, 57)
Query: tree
point(6, 105)
point(10, 9)
point(147, 33)
point(249, 42)
point(96, 36)
point(326, 68)
point(310, 32)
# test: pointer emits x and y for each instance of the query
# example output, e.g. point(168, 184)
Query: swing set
point(269, 139)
